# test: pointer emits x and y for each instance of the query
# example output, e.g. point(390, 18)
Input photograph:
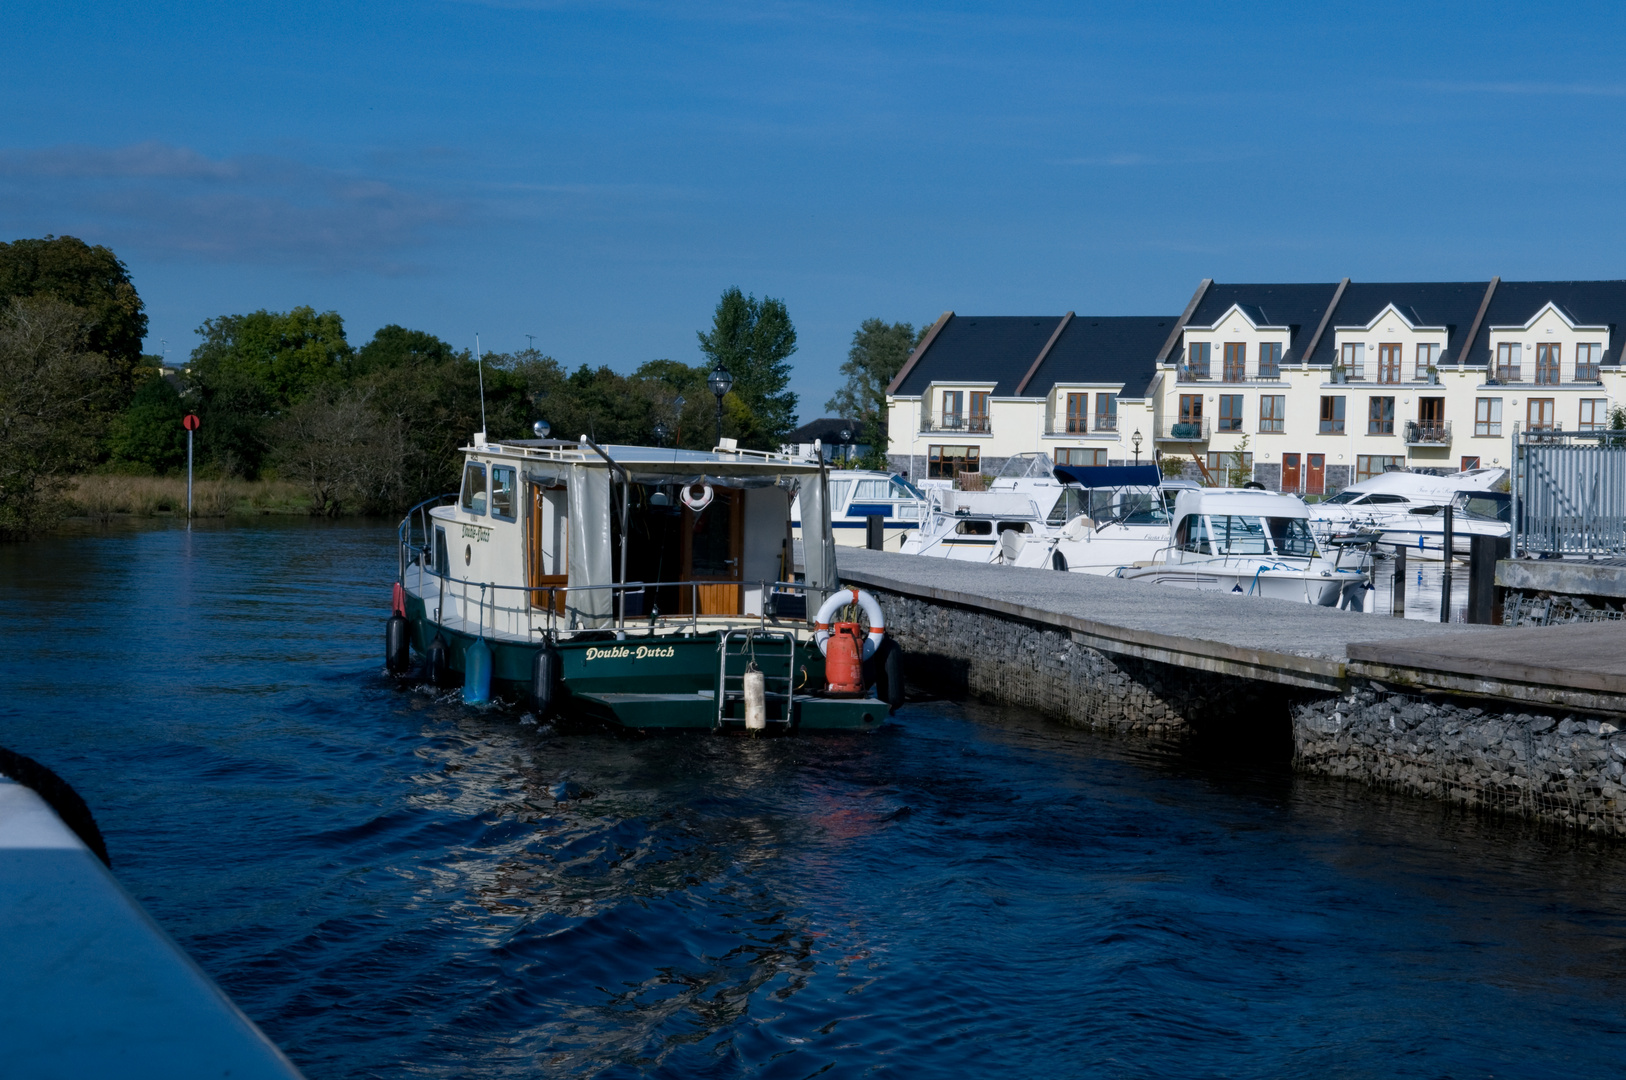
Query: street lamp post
point(1134, 441)
point(720, 382)
point(660, 434)
point(847, 445)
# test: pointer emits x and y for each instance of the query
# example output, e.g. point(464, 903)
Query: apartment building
point(1313, 387)
point(978, 389)
point(1309, 387)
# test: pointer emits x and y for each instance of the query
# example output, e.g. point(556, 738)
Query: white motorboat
point(969, 525)
point(1370, 504)
point(858, 494)
point(1251, 543)
point(1110, 516)
point(1421, 529)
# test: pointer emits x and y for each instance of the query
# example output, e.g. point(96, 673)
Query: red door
point(1315, 474)
point(1290, 472)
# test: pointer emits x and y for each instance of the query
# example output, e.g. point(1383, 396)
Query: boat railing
point(407, 537)
point(783, 603)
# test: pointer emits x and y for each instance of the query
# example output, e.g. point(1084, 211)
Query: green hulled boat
point(633, 585)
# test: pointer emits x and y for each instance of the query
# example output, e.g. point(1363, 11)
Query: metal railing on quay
point(1569, 493)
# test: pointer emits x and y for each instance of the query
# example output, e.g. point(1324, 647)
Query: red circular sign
point(190, 422)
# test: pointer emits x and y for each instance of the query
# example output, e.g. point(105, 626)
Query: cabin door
point(546, 545)
point(714, 553)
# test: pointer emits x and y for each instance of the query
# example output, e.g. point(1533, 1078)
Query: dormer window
point(1270, 360)
point(1587, 358)
point(1427, 357)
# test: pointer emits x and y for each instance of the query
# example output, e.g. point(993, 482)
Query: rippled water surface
point(385, 882)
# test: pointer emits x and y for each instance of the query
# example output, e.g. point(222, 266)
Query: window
point(1106, 412)
point(974, 528)
point(952, 416)
point(1221, 463)
point(474, 488)
point(1272, 413)
point(838, 494)
point(1191, 408)
point(1488, 416)
point(1389, 362)
point(1469, 462)
point(1353, 357)
point(502, 492)
point(1291, 536)
point(1270, 360)
point(1192, 535)
point(1380, 416)
point(1233, 534)
point(1427, 356)
point(1547, 353)
point(441, 565)
point(1230, 415)
point(872, 490)
point(1369, 465)
point(1236, 361)
point(1507, 361)
point(1594, 414)
point(1080, 456)
point(1077, 405)
point(1539, 413)
point(979, 410)
point(1587, 359)
point(946, 461)
point(1332, 416)
point(1196, 361)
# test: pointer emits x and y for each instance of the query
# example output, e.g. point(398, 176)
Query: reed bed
point(104, 497)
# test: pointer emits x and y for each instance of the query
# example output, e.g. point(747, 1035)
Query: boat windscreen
point(1021, 466)
point(1291, 536)
point(1485, 505)
point(1237, 534)
point(1344, 497)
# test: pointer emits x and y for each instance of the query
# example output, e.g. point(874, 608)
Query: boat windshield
point(1343, 497)
point(1026, 466)
point(1485, 505)
point(1291, 536)
point(1223, 534)
point(903, 489)
point(1130, 506)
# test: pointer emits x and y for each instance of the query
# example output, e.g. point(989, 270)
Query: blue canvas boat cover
point(1109, 476)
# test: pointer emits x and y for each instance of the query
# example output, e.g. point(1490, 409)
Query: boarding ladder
point(766, 648)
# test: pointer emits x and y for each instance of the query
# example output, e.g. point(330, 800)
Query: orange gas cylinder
point(842, 669)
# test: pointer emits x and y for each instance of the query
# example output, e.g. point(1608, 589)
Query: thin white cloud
point(172, 200)
point(1528, 89)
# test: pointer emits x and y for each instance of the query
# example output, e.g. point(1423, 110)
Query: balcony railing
point(1097, 425)
point(965, 425)
point(1428, 432)
point(1185, 430)
point(1193, 373)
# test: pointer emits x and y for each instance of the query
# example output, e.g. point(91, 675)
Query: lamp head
point(541, 427)
point(720, 381)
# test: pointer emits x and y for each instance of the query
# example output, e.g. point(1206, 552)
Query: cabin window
point(474, 488)
point(1234, 534)
point(1291, 536)
point(901, 490)
point(838, 494)
point(502, 492)
point(1193, 535)
point(869, 490)
point(974, 528)
point(440, 563)
point(1013, 526)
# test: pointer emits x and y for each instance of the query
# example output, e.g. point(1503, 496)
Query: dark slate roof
point(827, 429)
point(1588, 303)
point(1105, 348)
point(1451, 304)
point(1296, 306)
point(990, 348)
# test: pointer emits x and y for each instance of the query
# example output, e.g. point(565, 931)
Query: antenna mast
point(480, 372)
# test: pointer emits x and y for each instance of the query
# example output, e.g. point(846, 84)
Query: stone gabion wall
point(1520, 608)
point(1557, 767)
point(953, 650)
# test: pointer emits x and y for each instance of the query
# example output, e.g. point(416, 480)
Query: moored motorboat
point(1254, 543)
point(645, 587)
point(1111, 516)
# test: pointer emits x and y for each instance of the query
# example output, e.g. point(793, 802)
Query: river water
point(386, 883)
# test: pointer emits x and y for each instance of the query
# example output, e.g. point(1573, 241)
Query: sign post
point(190, 423)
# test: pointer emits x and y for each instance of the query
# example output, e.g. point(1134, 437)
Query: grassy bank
point(103, 497)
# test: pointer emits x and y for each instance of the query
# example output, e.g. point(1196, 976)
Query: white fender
point(839, 600)
point(695, 502)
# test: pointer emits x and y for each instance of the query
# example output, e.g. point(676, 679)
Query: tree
point(879, 351)
point(149, 433)
point(754, 339)
point(91, 279)
point(250, 368)
point(332, 442)
point(53, 393)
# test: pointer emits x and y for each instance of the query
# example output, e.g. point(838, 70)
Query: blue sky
point(596, 174)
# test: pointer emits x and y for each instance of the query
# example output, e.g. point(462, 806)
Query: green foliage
point(250, 368)
point(754, 339)
point(1237, 469)
point(879, 351)
point(54, 394)
point(149, 432)
point(91, 279)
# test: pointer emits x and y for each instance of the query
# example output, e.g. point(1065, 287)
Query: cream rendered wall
point(1232, 327)
point(1550, 326)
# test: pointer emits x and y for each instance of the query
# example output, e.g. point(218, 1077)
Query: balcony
point(1193, 373)
point(957, 424)
point(1097, 425)
point(1185, 430)
point(1428, 433)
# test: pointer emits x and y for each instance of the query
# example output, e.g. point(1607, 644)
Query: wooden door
point(714, 554)
point(1290, 472)
point(547, 545)
point(1315, 474)
point(1388, 363)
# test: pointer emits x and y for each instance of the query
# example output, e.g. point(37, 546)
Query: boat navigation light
point(541, 427)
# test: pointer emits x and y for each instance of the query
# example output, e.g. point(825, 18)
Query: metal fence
point(1569, 493)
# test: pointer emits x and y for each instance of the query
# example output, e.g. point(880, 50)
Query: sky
point(591, 177)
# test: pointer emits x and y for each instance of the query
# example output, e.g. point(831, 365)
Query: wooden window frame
point(1234, 366)
point(1272, 418)
point(1333, 415)
point(1549, 363)
point(1390, 362)
point(1236, 420)
point(1076, 424)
